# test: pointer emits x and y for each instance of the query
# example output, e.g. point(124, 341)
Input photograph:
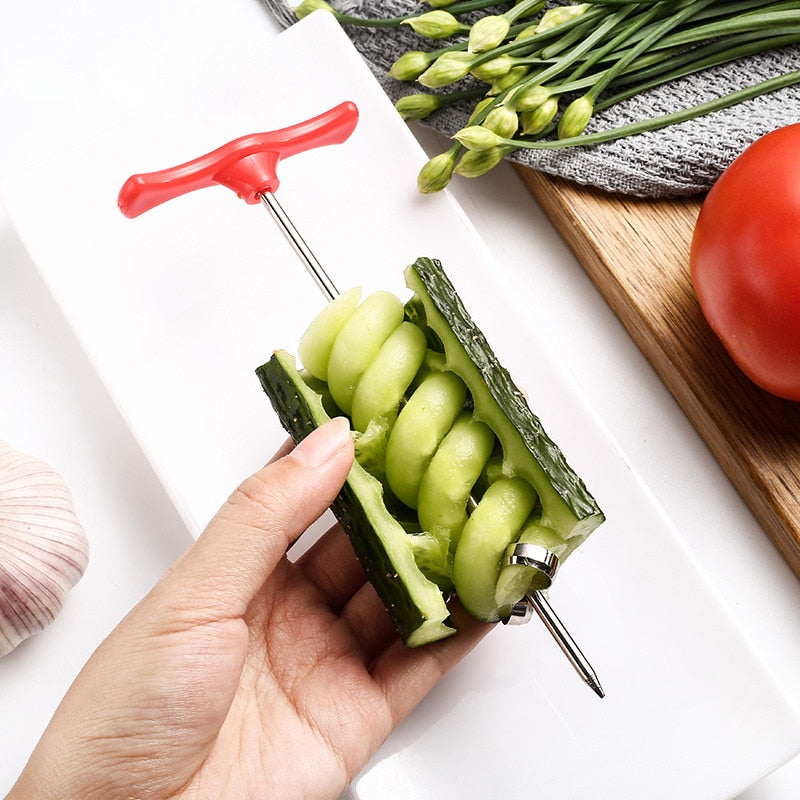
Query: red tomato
point(745, 261)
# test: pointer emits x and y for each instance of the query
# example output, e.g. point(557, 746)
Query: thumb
point(237, 552)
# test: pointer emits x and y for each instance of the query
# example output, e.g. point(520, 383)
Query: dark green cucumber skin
point(567, 484)
point(299, 417)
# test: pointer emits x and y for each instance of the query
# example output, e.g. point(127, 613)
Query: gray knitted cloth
point(682, 159)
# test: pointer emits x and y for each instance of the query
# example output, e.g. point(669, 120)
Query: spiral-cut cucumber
point(453, 449)
point(415, 603)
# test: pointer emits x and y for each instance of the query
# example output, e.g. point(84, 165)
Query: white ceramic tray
point(178, 307)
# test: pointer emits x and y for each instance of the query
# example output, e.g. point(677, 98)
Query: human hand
point(241, 674)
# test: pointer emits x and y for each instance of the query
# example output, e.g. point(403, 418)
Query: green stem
point(633, 59)
point(393, 22)
point(626, 2)
point(654, 69)
point(523, 9)
point(678, 41)
point(526, 46)
point(729, 10)
point(448, 98)
point(581, 27)
point(718, 19)
point(602, 52)
point(574, 55)
point(533, 45)
point(754, 21)
point(656, 123)
point(656, 35)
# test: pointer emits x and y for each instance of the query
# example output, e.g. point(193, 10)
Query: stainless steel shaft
point(535, 601)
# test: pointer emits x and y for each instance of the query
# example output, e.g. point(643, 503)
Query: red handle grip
point(247, 165)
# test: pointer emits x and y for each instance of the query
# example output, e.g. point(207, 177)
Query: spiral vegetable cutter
point(248, 166)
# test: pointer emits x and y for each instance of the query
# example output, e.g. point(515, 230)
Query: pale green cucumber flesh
point(480, 553)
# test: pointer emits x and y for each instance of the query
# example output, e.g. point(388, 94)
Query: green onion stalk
point(537, 73)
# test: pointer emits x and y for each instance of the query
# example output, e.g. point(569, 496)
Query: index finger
point(237, 552)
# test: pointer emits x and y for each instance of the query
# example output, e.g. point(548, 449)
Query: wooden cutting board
point(637, 253)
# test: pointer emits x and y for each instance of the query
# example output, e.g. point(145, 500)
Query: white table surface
point(53, 405)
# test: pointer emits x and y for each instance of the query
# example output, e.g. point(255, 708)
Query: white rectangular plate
point(178, 307)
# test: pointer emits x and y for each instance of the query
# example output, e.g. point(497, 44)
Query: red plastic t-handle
point(247, 165)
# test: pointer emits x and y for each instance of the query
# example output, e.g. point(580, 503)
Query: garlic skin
point(43, 548)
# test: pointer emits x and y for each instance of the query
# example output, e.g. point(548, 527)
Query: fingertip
point(324, 444)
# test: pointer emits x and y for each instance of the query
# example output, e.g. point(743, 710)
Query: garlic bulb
point(43, 548)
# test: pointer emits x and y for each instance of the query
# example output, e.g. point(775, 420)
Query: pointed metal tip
point(595, 686)
point(540, 604)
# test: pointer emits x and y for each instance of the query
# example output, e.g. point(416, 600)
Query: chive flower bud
point(475, 163)
point(476, 137)
point(487, 33)
point(309, 6)
point(554, 17)
point(437, 172)
point(511, 78)
point(447, 69)
point(503, 121)
point(537, 119)
point(480, 107)
point(411, 65)
point(435, 24)
point(575, 118)
point(526, 98)
point(493, 69)
point(417, 106)
point(527, 32)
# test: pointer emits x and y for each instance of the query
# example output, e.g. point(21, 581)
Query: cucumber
point(567, 507)
point(314, 348)
point(488, 532)
point(383, 547)
point(402, 503)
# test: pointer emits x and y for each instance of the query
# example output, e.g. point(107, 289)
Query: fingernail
point(323, 443)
